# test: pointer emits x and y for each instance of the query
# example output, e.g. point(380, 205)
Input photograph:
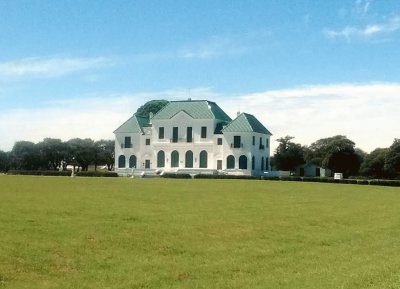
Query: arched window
point(189, 159)
point(262, 163)
point(132, 161)
point(253, 163)
point(174, 159)
point(121, 161)
point(160, 159)
point(203, 159)
point(230, 162)
point(243, 162)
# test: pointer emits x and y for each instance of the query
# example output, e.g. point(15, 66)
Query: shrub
point(391, 183)
point(176, 176)
point(311, 179)
point(39, 173)
point(231, 177)
point(362, 182)
point(271, 178)
point(96, 174)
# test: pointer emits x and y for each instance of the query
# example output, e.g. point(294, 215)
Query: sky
point(305, 68)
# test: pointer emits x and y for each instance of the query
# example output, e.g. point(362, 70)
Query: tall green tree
point(288, 155)
point(25, 156)
point(81, 152)
point(4, 161)
point(152, 106)
point(105, 150)
point(336, 153)
point(52, 152)
point(374, 164)
point(392, 161)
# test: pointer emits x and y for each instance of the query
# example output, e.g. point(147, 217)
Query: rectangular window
point(254, 140)
point(237, 141)
point(219, 141)
point(266, 143)
point(161, 133)
point(175, 134)
point(128, 142)
point(147, 141)
point(261, 144)
point(203, 132)
point(189, 135)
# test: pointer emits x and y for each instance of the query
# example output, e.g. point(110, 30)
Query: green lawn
point(61, 232)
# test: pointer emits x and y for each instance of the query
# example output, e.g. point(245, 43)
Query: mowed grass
point(60, 232)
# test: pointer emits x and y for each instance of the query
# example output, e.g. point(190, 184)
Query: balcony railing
point(126, 146)
point(262, 146)
point(236, 146)
point(181, 140)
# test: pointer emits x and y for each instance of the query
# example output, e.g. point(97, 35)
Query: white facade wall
point(146, 155)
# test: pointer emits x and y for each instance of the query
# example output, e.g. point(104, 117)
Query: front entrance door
point(219, 164)
point(147, 164)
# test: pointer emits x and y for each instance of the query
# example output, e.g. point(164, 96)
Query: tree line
point(339, 154)
point(54, 154)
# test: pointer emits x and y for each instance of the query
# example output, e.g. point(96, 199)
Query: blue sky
point(310, 69)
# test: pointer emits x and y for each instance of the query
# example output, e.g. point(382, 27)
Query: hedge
point(230, 177)
point(391, 183)
point(176, 176)
point(39, 173)
point(96, 174)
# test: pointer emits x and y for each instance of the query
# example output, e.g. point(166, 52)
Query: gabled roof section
point(197, 109)
point(246, 123)
point(133, 125)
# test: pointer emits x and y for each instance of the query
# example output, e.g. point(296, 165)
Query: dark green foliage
point(374, 164)
point(335, 153)
point(39, 173)
point(25, 156)
point(390, 183)
point(4, 161)
point(152, 106)
point(176, 176)
point(392, 160)
point(288, 155)
point(53, 155)
point(225, 177)
point(96, 174)
point(105, 151)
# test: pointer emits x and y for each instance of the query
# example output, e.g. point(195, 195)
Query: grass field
point(60, 232)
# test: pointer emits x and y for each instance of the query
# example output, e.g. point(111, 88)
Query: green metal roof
point(246, 123)
point(198, 109)
point(133, 125)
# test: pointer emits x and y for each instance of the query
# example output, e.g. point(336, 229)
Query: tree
point(152, 106)
point(80, 152)
point(392, 161)
point(336, 153)
point(374, 164)
point(24, 156)
point(52, 152)
point(105, 153)
point(4, 161)
point(288, 155)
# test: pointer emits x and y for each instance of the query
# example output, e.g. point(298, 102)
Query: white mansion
point(194, 136)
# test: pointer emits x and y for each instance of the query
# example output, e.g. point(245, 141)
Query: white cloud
point(365, 113)
point(94, 117)
point(361, 7)
point(50, 66)
point(213, 47)
point(391, 25)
